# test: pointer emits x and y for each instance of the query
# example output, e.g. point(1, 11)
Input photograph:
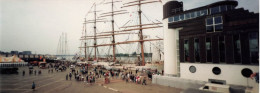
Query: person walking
point(87, 78)
point(144, 81)
point(33, 86)
point(34, 72)
point(67, 76)
point(70, 76)
point(39, 72)
point(23, 72)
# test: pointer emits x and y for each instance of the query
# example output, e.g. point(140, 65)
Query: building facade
point(215, 43)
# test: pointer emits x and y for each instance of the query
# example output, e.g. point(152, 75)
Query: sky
point(36, 25)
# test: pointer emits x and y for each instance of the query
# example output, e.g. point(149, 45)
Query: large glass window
point(195, 14)
point(210, 28)
point(208, 49)
point(187, 16)
point(209, 25)
point(223, 8)
point(176, 18)
point(181, 17)
point(198, 13)
point(222, 54)
point(214, 10)
point(170, 19)
point(197, 49)
point(219, 27)
point(230, 7)
point(186, 50)
point(203, 12)
point(237, 49)
point(192, 14)
point(218, 23)
point(218, 20)
point(214, 24)
point(209, 21)
point(253, 45)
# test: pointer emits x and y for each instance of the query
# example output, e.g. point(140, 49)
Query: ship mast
point(112, 14)
point(85, 29)
point(133, 3)
point(113, 36)
point(95, 31)
point(141, 33)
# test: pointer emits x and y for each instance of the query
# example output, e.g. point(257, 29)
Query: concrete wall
point(177, 82)
point(230, 73)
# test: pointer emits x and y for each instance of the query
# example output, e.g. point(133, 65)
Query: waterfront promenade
point(56, 83)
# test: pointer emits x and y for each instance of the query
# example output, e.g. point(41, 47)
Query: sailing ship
point(123, 30)
point(62, 48)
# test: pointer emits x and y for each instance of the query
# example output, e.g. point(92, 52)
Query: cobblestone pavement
point(56, 83)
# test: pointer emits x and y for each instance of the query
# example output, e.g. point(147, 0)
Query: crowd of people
point(90, 74)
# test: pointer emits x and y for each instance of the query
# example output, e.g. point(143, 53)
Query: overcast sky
point(36, 25)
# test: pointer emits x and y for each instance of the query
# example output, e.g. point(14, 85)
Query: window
point(209, 21)
point(176, 18)
point(195, 14)
point(218, 23)
point(219, 27)
point(209, 25)
point(186, 50)
point(210, 29)
point(203, 12)
point(223, 8)
point(192, 14)
point(192, 69)
point(214, 10)
point(170, 19)
point(221, 44)
point(197, 49)
point(216, 70)
point(230, 7)
point(208, 49)
point(237, 49)
point(246, 72)
point(218, 20)
point(187, 16)
point(253, 45)
point(214, 24)
point(181, 17)
point(198, 13)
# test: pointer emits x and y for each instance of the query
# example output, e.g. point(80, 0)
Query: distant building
point(216, 42)
point(15, 52)
point(27, 52)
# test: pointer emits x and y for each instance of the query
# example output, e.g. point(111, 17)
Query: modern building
point(216, 43)
point(27, 52)
point(15, 52)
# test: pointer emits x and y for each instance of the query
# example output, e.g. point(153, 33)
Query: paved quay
point(56, 83)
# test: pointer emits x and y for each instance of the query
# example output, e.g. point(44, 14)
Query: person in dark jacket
point(67, 76)
point(23, 72)
point(33, 86)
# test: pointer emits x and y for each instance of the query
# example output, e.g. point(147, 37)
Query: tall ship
point(94, 40)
